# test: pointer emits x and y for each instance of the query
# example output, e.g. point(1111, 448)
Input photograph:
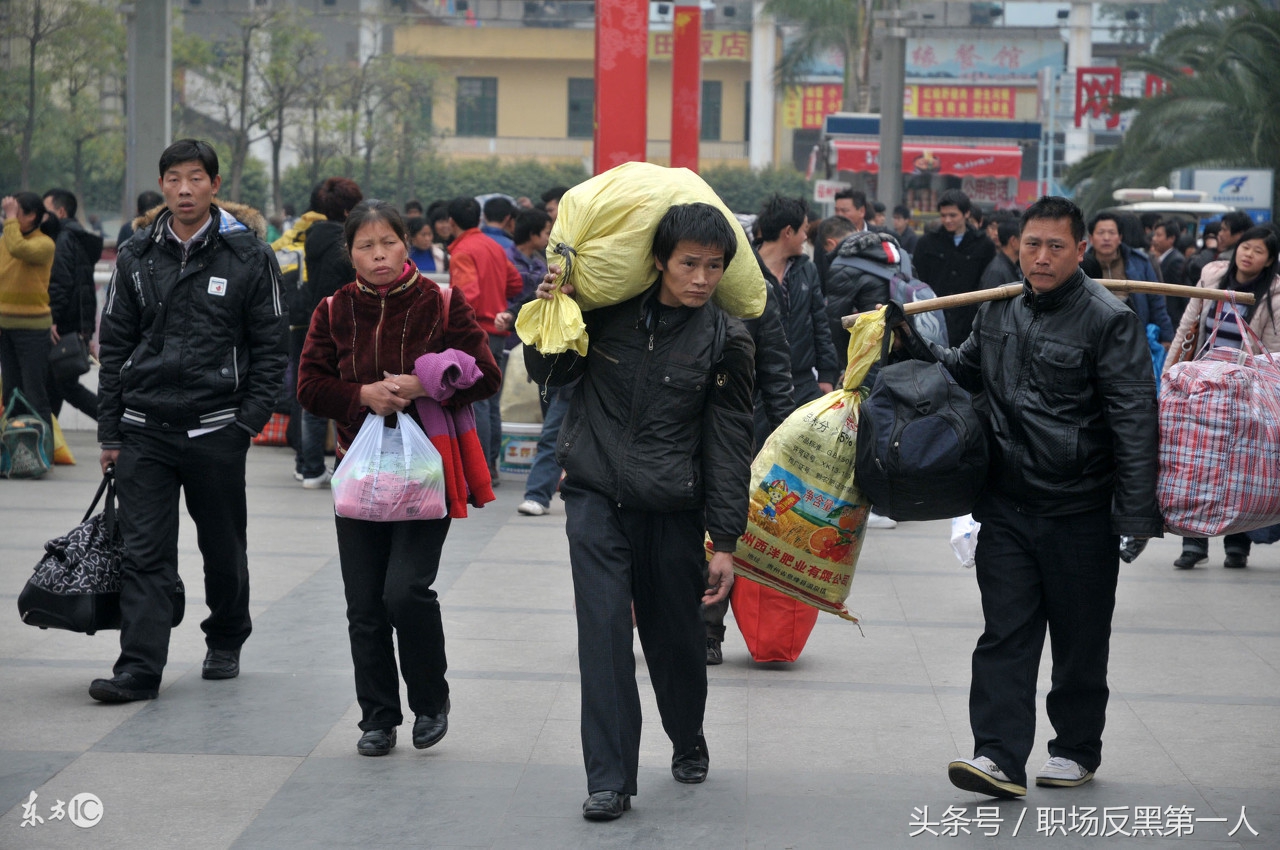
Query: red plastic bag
point(775, 626)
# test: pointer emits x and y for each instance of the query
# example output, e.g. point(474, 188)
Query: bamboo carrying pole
point(1010, 290)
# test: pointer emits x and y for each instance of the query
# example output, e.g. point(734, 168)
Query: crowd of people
point(648, 438)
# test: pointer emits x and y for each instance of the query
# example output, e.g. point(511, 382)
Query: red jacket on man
point(479, 267)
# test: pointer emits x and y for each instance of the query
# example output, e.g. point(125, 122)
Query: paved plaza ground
point(845, 748)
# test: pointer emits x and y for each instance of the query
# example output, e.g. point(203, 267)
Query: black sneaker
point(122, 687)
point(1188, 559)
point(714, 655)
point(1236, 561)
point(691, 767)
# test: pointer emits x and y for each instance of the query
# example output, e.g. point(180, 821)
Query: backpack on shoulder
point(26, 440)
point(922, 446)
point(905, 289)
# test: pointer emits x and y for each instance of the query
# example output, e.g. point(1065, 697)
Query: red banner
point(622, 82)
point(961, 101)
point(686, 88)
point(933, 159)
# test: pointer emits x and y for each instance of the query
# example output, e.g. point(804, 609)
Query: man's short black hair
point(465, 212)
point(190, 150)
point(1105, 215)
point(859, 198)
point(699, 223)
point(1171, 226)
point(1008, 228)
point(64, 198)
point(555, 193)
point(529, 223)
point(902, 211)
point(1237, 221)
point(437, 211)
point(1055, 208)
point(413, 207)
point(497, 210)
point(1149, 220)
point(955, 198)
point(779, 213)
point(149, 200)
point(879, 207)
point(836, 227)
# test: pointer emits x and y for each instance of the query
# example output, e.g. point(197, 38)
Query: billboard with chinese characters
point(940, 101)
point(804, 107)
point(717, 46)
point(985, 59)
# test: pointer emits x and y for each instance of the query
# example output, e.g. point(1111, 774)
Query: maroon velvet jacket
point(357, 335)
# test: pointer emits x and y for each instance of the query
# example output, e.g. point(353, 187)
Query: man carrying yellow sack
point(656, 449)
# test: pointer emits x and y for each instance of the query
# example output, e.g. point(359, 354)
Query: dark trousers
point(310, 430)
point(1032, 571)
point(1238, 544)
point(74, 393)
point(209, 469)
point(655, 560)
point(24, 365)
point(387, 572)
point(489, 411)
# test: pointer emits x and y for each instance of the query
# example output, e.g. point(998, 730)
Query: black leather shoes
point(122, 687)
point(606, 805)
point(376, 742)
point(221, 664)
point(691, 767)
point(428, 729)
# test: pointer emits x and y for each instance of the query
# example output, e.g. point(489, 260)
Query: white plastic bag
point(964, 538)
point(390, 474)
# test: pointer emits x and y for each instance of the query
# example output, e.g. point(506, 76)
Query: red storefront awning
point(985, 161)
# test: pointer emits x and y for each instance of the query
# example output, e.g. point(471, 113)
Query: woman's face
point(1252, 258)
point(422, 239)
point(27, 220)
point(378, 254)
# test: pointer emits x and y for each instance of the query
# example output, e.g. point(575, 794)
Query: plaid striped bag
point(1220, 442)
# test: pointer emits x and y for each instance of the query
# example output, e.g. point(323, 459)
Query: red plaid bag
point(275, 432)
point(1220, 441)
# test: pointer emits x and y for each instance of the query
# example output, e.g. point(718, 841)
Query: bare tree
point(281, 71)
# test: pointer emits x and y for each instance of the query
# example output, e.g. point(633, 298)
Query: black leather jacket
point(1072, 402)
point(804, 315)
point(655, 425)
point(775, 397)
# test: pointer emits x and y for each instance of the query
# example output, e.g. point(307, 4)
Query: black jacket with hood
point(659, 421)
point(1072, 402)
point(951, 269)
point(73, 298)
point(851, 290)
point(804, 316)
point(192, 342)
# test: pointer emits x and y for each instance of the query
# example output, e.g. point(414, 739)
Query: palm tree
point(841, 25)
point(1218, 108)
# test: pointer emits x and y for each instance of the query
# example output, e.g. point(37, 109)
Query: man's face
point(900, 224)
point(993, 232)
point(58, 211)
point(952, 219)
point(1048, 253)
point(1227, 239)
point(553, 208)
point(1106, 238)
point(541, 240)
point(794, 239)
point(1161, 241)
point(878, 221)
point(188, 191)
point(690, 275)
point(846, 210)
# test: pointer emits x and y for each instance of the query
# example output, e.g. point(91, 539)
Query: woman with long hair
point(1252, 269)
point(26, 259)
point(392, 341)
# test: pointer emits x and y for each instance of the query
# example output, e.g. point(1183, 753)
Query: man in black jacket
point(73, 298)
point(656, 449)
point(1074, 456)
point(1003, 267)
point(191, 369)
point(952, 258)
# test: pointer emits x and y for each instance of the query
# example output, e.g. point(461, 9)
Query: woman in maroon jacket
point(359, 358)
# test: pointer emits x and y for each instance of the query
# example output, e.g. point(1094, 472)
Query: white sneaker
point(531, 508)
point(298, 476)
point(983, 776)
point(1062, 773)
point(874, 520)
point(321, 480)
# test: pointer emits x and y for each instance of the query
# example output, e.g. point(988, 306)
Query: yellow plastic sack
point(61, 452)
point(520, 396)
point(603, 242)
point(806, 517)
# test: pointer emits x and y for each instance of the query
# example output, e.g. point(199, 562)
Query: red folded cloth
point(452, 430)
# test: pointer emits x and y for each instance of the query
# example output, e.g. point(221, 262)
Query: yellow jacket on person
point(25, 262)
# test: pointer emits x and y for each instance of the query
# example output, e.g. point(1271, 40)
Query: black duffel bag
point(76, 585)
point(922, 446)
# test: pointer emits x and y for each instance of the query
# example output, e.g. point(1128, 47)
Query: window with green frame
point(477, 104)
point(712, 91)
point(582, 103)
